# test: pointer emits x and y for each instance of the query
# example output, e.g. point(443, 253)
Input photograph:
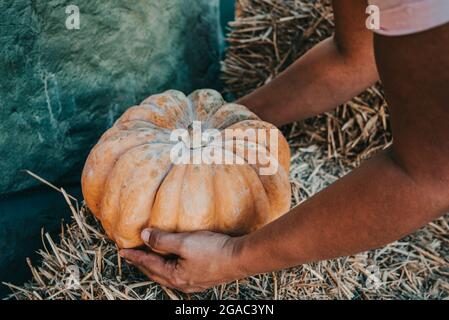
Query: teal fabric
point(60, 89)
point(22, 216)
point(227, 13)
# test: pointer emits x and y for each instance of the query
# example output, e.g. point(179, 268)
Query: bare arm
point(388, 197)
point(391, 195)
point(373, 206)
point(330, 74)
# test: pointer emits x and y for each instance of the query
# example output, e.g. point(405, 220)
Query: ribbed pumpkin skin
point(129, 181)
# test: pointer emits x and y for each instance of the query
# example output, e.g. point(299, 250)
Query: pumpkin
point(130, 181)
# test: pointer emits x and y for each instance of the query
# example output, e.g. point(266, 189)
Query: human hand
point(203, 259)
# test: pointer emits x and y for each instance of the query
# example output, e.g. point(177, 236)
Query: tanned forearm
point(318, 82)
point(373, 206)
point(391, 195)
point(388, 197)
point(330, 74)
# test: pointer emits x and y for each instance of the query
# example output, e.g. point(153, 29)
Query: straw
point(416, 267)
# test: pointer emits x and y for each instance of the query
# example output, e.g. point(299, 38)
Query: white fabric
point(402, 17)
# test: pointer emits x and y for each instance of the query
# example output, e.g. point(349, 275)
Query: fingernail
point(145, 235)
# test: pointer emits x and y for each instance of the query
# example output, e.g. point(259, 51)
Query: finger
point(150, 272)
point(161, 241)
point(157, 269)
point(139, 257)
point(152, 263)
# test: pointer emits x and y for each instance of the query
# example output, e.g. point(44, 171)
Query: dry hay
point(266, 38)
point(324, 149)
point(413, 268)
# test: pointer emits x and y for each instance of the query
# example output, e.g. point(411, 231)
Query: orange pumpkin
point(130, 182)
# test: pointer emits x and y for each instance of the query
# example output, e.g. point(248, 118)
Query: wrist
point(241, 256)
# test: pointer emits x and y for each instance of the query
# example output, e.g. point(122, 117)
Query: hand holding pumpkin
point(130, 182)
point(204, 259)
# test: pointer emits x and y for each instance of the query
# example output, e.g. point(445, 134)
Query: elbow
point(430, 180)
point(358, 57)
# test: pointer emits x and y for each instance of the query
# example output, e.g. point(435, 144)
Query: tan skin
point(388, 197)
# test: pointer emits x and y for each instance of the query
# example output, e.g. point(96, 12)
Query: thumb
point(163, 242)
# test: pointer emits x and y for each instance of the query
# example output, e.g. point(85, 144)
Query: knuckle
point(179, 280)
